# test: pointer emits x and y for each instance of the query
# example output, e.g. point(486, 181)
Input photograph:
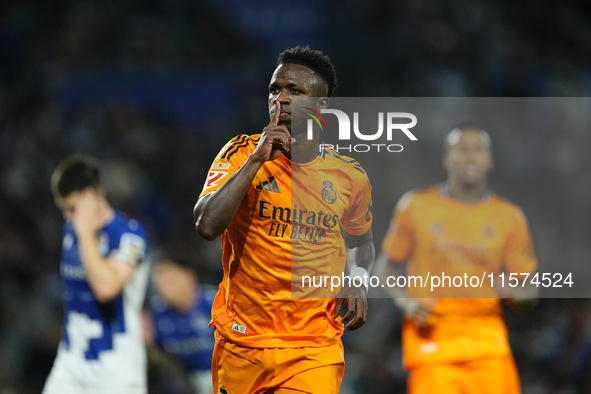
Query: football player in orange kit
point(457, 345)
point(268, 341)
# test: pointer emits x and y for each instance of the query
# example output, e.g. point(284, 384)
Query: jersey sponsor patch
point(238, 328)
point(220, 166)
point(214, 177)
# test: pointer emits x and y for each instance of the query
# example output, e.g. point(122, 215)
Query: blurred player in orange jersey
point(268, 341)
point(457, 345)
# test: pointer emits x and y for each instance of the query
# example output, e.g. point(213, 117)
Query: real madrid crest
point(329, 194)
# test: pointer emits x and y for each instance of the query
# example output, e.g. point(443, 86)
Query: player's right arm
point(397, 248)
point(214, 211)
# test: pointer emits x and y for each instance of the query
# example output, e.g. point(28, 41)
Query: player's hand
point(275, 139)
point(86, 215)
point(423, 313)
point(356, 300)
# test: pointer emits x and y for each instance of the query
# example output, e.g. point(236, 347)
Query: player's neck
point(466, 193)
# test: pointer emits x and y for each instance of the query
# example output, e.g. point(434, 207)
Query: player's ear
point(100, 193)
point(322, 103)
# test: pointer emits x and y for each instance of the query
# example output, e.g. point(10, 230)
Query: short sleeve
point(399, 242)
point(226, 163)
point(519, 254)
point(358, 219)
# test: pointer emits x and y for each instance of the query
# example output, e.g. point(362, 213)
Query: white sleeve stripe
point(132, 248)
point(125, 256)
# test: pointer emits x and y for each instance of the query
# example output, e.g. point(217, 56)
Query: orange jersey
point(436, 233)
point(287, 226)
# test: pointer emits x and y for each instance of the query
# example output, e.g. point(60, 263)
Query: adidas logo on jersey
point(269, 185)
point(237, 327)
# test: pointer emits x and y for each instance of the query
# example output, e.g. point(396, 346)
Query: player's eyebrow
point(289, 85)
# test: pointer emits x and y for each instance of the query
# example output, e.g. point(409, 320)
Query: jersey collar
point(444, 192)
point(322, 150)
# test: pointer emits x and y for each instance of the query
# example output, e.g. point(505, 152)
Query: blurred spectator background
point(155, 88)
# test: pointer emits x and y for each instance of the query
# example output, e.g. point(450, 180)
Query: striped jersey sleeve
point(230, 159)
point(358, 219)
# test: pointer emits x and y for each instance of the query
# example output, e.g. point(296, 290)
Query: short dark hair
point(315, 61)
point(464, 125)
point(74, 174)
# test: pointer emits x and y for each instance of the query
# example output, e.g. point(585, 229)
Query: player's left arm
point(360, 258)
point(106, 276)
point(356, 231)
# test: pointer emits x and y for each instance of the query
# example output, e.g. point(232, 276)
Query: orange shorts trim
point(495, 375)
point(240, 370)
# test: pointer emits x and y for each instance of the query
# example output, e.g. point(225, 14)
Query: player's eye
point(296, 91)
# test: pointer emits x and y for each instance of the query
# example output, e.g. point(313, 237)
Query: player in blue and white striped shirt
point(105, 274)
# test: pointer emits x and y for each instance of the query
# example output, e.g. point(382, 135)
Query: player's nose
point(283, 97)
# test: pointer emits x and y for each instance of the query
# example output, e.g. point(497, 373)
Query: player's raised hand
point(86, 215)
point(275, 139)
point(356, 300)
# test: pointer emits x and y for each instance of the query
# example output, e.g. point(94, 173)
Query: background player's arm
point(106, 276)
point(397, 248)
point(214, 212)
point(519, 257)
point(522, 296)
point(418, 310)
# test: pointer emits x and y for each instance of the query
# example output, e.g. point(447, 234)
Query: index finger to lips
point(275, 118)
